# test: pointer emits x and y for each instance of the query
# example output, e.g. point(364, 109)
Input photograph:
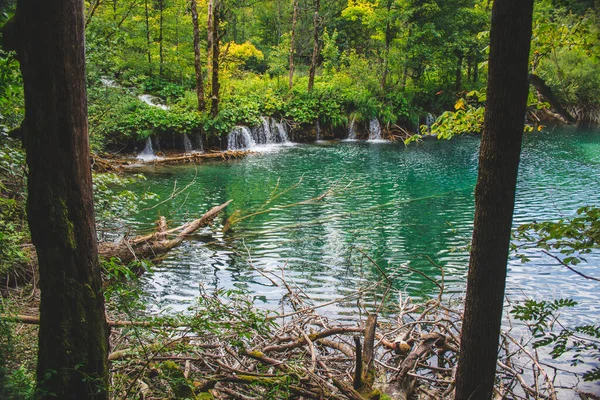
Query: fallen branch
point(155, 244)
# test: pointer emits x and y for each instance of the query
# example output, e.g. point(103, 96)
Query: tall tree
point(197, 63)
point(214, 51)
point(147, 31)
point(313, 61)
point(292, 43)
point(73, 335)
point(499, 155)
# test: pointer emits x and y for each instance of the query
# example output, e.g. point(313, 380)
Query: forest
point(268, 213)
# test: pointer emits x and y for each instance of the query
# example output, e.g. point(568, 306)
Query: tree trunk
point(73, 334)
point(148, 32)
point(388, 42)
point(315, 55)
point(494, 196)
point(160, 39)
point(197, 64)
point(213, 54)
point(292, 40)
point(458, 81)
point(546, 92)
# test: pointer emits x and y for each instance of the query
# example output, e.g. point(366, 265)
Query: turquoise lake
point(403, 207)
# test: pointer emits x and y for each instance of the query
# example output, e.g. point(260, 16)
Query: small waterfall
point(282, 132)
point(318, 127)
point(352, 130)
point(109, 83)
point(198, 140)
point(429, 120)
point(187, 144)
point(374, 130)
point(152, 101)
point(148, 152)
point(269, 132)
point(240, 138)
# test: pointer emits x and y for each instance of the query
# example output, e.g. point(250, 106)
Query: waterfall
point(374, 130)
point(240, 138)
point(109, 83)
point(268, 133)
point(187, 145)
point(351, 129)
point(429, 120)
point(156, 143)
point(152, 101)
point(318, 127)
point(148, 153)
point(198, 140)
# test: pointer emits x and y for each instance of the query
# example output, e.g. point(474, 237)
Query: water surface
point(403, 207)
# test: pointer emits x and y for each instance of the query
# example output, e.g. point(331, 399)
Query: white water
point(429, 120)
point(269, 134)
point(187, 144)
point(318, 127)
point(240, 138)
point(152, 101)
point(198, 138)
point(352, 130)
point(148, 153)
point(109, 83)
point(375, 131)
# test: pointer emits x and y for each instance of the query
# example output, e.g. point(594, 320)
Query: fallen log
point(154, 245)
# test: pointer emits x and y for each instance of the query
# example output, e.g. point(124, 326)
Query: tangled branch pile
point(228, 349)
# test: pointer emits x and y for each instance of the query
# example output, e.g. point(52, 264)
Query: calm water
point(398, 205)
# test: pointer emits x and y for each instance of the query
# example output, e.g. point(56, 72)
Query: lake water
point(400, 206)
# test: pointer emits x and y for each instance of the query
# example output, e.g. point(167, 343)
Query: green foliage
point(580, 342)
point(573, 237)
point(113, 203)
point(12, 101)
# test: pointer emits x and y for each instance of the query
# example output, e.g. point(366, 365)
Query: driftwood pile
point(227, 349)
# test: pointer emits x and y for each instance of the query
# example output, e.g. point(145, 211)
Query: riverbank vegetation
point(394, 61)
point(318, 70)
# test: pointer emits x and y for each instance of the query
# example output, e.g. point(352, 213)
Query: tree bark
point(73, 334)
point(160, 38)
point(315, 55)
point(292, 43)
point(494, 196)
point(213, 41)
point(197, 63)
point(148, 32)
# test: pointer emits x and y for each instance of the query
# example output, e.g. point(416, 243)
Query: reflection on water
point(399, 205)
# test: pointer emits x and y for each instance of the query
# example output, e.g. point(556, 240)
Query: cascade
point(148, 152)
point(282, 132)
point(374, 130)
point(240, 138)
point(109, 83)
point(187, 144)
point(152, 101)
point(318, 127)
point(268, 132)
point(352, 130)
point(198, 140)
point(156, 143)
point(429, 120)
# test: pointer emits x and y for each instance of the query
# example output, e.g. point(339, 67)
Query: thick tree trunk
point(197, 63)
point(73, 335)
point(315, 55)
point(494, 196)
point(148, 31)
point(292, 43)
point(213, 42)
